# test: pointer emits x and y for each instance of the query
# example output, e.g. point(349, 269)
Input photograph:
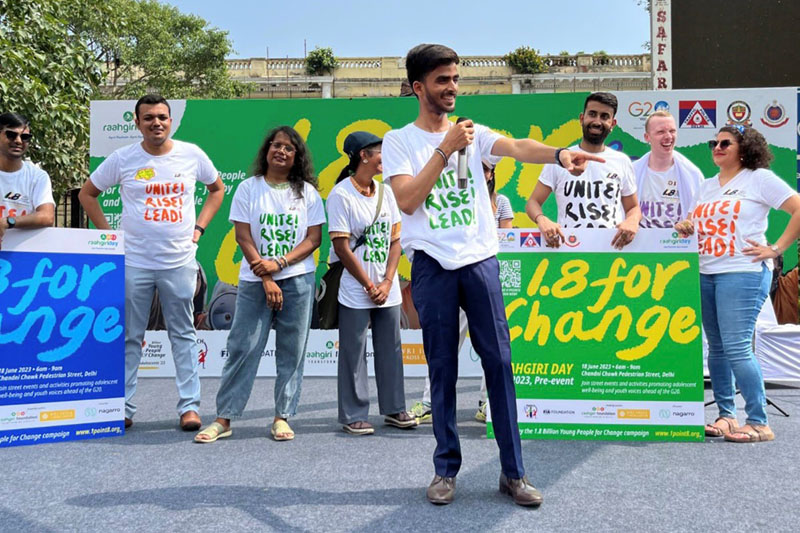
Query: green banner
point(231, 131)
point(606, 344)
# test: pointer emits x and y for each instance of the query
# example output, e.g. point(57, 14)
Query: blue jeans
point(252, 321)
point(176, 288)
point(731, 303)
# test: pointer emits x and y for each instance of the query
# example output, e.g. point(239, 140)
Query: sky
point(389, 28)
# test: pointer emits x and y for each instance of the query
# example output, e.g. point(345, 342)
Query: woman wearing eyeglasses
point(26, 196)
point(735, 270)
point(278, 217)
point(364, 225)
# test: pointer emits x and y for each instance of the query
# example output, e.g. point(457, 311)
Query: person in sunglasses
point(364, 226)
point(278, 215)
point(26, 195)
point(730, 219)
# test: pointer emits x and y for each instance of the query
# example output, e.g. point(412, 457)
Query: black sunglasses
point(12, 135)
point(723, 144)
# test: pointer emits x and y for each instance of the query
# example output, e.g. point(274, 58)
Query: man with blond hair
point(666, 180)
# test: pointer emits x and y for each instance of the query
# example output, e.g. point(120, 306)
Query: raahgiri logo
point(675, 242)
point(126, 126)
point(104, 242)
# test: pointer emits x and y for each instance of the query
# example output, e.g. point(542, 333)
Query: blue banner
point(61, 335)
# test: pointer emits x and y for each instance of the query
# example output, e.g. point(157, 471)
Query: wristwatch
point(11, 222)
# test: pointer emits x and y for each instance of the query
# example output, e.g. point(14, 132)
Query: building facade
point(357, 77)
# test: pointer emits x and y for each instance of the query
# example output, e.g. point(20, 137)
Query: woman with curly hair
point(735, 271)
point(278, 217)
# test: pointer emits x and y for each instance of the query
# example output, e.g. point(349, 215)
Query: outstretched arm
point(530, 151)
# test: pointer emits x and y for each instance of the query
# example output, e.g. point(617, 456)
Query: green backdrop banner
point(231, 131)
point(606, 344)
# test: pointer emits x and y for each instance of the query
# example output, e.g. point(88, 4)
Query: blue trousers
point(438, 294)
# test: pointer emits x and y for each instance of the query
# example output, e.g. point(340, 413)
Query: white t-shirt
point(504, 210)
point(593, 199)
point(279, 221)
point(21, 192)
point(351, 212)
point(659, 199)
point(454, 226)
point(725, 216)
point(157, 191)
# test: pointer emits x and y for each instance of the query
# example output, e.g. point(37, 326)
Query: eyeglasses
point(12, 135)
point(723, 144)
point(287, 148)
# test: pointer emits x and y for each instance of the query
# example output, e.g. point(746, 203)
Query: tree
point(320, 61)
point(153, 47)
point(57, 55)
point(48, 75)
point(525, 60)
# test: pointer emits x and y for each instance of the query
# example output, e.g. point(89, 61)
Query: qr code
point(114, 219)
point(511, 275)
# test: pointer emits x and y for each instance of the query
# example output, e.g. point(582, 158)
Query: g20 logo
point(645, 109)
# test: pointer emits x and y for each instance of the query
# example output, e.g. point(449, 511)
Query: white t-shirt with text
point(351, 212)
point(23, 191)
point(279, 220)
point(726, 216)
point(659, 199)
point(456, 227)
point(593, 199)
point(158, 210)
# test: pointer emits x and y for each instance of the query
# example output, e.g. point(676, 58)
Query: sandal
point(213, 432)
point(281, 430)
point(720, 430)
point(359, 428)
point(401, 420)
point(751, 433)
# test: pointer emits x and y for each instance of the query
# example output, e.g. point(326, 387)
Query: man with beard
point(604, 196)
point(450, 236)
point(666, 181)
point(26, 196)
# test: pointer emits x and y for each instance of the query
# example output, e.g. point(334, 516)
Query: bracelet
point(285, 261)
point(201, 229)
point(537, 218)
point(441, 153)
point(278, 262)
point(558, 157)
point(369, 288)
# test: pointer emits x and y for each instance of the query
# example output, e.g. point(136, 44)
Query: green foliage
point(153, 47)
point(525, 60)
point(563, 53)
point(49, 75)
point(57, 55)
point(320, 61)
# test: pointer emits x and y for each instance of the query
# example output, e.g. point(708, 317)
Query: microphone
point(462, 162)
